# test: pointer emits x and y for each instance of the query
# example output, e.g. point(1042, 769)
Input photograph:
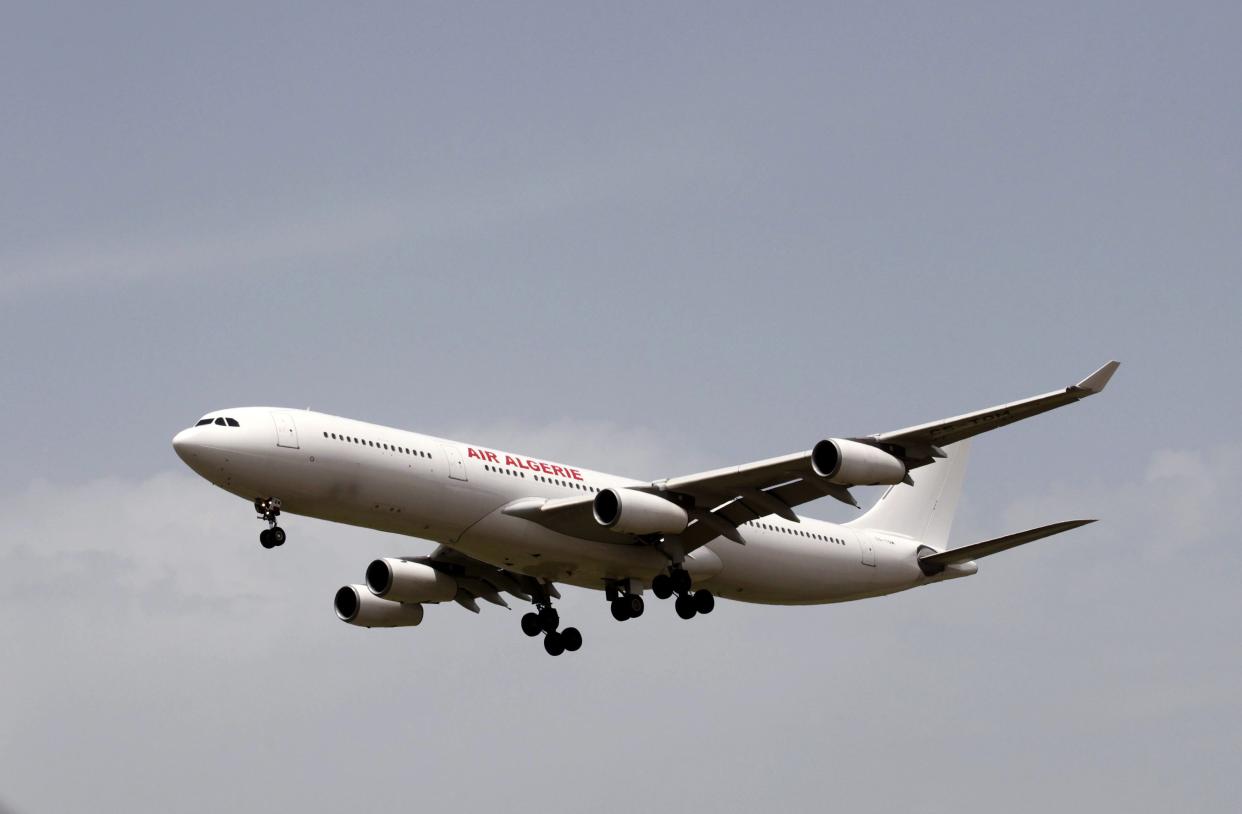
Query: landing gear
point(546, 620)
point(689, 603)
point(531, 625)
point(627, 606)
point(269, 510)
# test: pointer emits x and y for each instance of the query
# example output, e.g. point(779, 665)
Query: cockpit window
point(203, 421)
point(232, 422)
point(220, 421)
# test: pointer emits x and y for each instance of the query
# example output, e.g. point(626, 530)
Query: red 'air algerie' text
point(529, 464)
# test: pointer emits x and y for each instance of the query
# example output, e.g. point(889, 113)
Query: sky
point(649, 239)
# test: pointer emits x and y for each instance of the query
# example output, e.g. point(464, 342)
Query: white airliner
point(514, 524)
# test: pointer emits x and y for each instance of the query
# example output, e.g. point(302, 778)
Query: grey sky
point(649, 238)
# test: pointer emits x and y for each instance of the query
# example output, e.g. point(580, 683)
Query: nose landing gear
point(269, 510)
point(546, 620)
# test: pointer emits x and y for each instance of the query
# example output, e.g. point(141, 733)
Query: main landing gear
point(689, 603)
point(269, 510)
point(546, 620)
point(625, 605)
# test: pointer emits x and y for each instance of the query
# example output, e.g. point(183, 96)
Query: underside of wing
point(478, 580)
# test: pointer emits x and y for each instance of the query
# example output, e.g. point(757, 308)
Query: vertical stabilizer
point(925, 510)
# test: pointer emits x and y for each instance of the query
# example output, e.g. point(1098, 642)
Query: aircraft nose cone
point(183, 445)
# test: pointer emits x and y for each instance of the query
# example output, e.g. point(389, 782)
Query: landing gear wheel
point(662, 586)
point(704, 601)
point(620, 609)
point(571, 639)
point(277, 535)
point(265, 538)
point(681, 581)
point(531, 625)
point(554, 643)
point(685, 606)
point(636, 605)
point(550, 619)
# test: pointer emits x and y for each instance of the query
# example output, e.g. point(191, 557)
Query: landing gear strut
point(269, 510)
point(546, 620)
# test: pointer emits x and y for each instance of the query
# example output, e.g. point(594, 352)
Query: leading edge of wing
point(922, 439)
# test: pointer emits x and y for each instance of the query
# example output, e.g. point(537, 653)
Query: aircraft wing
point(919, 444)
point(722, 500)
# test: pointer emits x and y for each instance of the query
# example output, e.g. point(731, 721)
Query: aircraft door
point(868, 548)
point(286, 430)
point(456, 464)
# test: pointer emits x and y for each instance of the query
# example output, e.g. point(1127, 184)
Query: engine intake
point(355, 605)
point(631, 512)
point(404, 581)
point(849, 463)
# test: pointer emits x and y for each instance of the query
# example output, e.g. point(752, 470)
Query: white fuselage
point(393, 480)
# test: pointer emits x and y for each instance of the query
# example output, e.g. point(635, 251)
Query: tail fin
point(925, 510)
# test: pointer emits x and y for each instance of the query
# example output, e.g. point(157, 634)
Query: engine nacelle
point(403, 581)
point(849, 463)
point(356, 605)
point(631, 512)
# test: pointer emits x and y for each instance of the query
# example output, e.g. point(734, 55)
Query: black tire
point(554, 644)
point(685, 606)
point(636, 605)
point(620, 609)
point(704, 601)
point(277, 535)
point(571, 639)
point(265, 538)
point(531, 625)
point(681, 581)
point(662, 586)
point(550, 619)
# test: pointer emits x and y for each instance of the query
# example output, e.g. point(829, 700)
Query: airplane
point(514, 524)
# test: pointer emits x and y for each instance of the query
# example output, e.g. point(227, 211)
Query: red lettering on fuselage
point(528, 464)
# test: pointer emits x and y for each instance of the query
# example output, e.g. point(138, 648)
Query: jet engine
point(631, 512)
point(357, 606)
point(849, 463)
point(403, 581)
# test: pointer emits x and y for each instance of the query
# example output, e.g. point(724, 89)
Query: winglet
point(1096, 381)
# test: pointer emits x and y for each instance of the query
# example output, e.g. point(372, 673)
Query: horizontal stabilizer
point(935, 563)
